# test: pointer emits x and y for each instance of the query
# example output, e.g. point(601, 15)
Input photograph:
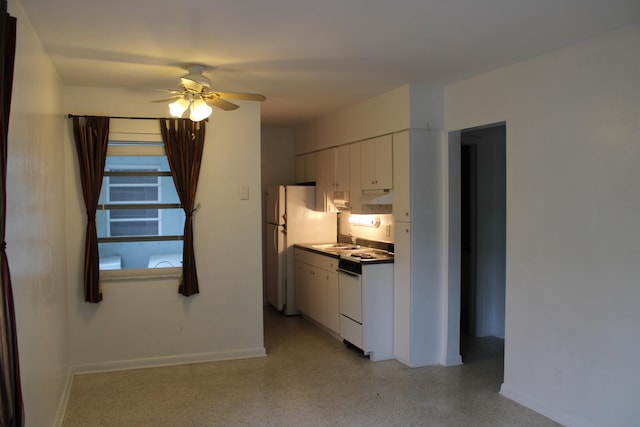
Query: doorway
point(482, 240)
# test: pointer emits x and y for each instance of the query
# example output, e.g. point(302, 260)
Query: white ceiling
point(308, 57)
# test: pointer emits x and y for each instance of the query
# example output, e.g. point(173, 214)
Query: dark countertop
point(338, 250)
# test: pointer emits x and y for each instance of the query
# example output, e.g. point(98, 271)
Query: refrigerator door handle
point(275, 238)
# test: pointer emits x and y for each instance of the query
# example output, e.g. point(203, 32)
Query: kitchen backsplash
point(383, 232)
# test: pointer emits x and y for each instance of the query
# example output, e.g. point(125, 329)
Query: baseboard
point(453, 361)
point(64, 399)
point(154, 362)
point(542, 408)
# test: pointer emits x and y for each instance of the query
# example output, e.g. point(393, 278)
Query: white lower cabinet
point(359, 308)
point(317, 288)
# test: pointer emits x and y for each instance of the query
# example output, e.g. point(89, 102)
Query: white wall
point(278, 156)
point(376, 116)
point(146, 322)
point(573, 168)
point(35, 227)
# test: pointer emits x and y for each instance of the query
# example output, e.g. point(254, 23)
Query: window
point(140, 221)
point(133, 189)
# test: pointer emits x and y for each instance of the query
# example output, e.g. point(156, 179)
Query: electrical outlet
point(388, 230)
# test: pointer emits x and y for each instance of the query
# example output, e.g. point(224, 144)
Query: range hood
point(376, 197)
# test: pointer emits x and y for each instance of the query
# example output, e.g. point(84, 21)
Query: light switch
point(244, 192)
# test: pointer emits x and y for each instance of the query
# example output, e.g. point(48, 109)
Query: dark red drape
point(184, 144)
point(91, 135)
point(11, 406)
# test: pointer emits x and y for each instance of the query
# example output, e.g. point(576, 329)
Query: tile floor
point(308, 379)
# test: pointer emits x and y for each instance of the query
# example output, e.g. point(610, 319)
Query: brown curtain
point(184, 143)
point(91, 135)
point(11, 406)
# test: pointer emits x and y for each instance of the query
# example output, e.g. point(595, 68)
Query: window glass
point(139, 219)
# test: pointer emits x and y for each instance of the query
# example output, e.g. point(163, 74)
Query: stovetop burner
point(363, 255)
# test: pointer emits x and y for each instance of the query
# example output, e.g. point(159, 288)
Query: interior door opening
point(482, 244)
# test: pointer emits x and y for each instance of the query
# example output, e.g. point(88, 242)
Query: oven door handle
point(350, 273)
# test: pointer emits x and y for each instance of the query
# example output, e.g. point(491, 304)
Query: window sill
point(140, 274)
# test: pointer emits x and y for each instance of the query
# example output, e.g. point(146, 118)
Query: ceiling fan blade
point(171, 98)
point(240, 96)
point(220, 103)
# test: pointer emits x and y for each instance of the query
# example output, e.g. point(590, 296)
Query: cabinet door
point(402, 291)
point(401, 177)
point(326, 167)
point(303, 286)
point(325, 179)
point(368, 164)
point(329, 316)
point(355, 178)
point(342, 168)
point(376, 160)
point(315, 294)
point(384, 162)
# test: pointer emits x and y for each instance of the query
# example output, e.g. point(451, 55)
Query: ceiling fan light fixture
point(177, 108)
point(196, 95)
point(200, 110)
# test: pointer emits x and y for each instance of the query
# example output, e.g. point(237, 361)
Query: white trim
point(453, 360)
point(154, 362)
point(64, 399)
point(136, 150)
point(140, 273)
point(542, 408)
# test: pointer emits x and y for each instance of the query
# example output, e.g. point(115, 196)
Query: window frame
point(139, 145)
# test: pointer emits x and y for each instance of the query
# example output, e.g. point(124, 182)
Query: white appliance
point(291, 219)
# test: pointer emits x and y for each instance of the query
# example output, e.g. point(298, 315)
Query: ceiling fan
point(196, 96)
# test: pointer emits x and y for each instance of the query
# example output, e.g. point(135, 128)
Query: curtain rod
point(128, 118)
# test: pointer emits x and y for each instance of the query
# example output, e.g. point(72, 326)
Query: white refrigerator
point(291, 219)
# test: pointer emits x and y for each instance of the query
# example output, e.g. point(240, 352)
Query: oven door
point(350, 285)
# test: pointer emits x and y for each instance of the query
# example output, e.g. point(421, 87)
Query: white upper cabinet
point(342, 182)
point(376, 163)
point(325, 179)
point(306, 168)
point(401, 177)
point(326, 168)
